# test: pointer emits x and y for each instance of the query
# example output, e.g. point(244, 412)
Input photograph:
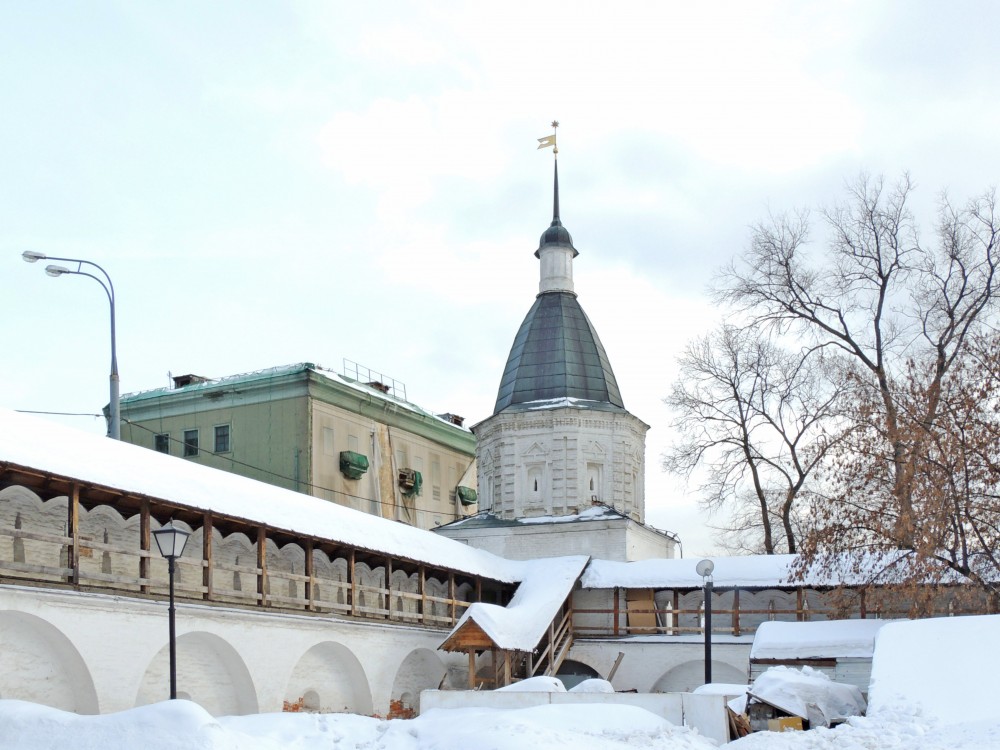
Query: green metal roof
point(557, 354)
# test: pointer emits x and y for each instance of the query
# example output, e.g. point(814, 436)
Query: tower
point(560, 445)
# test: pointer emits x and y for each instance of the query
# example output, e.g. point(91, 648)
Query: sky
point(269, 183)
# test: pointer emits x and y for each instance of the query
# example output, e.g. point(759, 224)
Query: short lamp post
point(704, 569)
point(114, 407)
point(171, 541)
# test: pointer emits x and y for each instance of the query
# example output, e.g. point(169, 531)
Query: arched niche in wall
point(60, 677)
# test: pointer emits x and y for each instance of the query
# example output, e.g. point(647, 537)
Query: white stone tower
point(560, 439)
point(561, 462)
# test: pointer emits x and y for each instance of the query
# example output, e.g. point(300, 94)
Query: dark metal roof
point(557, 354)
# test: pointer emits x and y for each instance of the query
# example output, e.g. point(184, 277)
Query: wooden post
point(352, 579)
point(736, 611)
point(422, 583)
point(617, 603)
point(206, 556)
point(73, 532)
point(472, 666)
point(479, 589)
point(676, 598)
point(451, 596)
point(262, 566)
point(388, 588)
point(798, 605)
point(144, 545)
point(864, 608)
point(310, 582)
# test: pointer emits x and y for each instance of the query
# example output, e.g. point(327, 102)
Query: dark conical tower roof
point(557, 354)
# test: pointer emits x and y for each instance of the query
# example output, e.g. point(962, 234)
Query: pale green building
point(354, 440)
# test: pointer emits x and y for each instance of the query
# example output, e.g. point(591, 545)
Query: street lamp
point(171, 541)
point(704, 569)
point(30, 256)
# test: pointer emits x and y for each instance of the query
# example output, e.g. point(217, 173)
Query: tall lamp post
point(704, 569)
point(114, 420)
point(171, 541)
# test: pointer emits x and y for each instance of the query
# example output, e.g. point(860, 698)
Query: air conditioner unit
point(410, 481)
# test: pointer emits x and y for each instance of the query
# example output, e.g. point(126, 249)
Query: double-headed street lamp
point(114, 420)
point(171, 540)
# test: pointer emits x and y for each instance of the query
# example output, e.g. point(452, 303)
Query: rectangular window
point(190, 443)
point(161, 443)
point(222, 438)
point(436, 478)
point(328, 447)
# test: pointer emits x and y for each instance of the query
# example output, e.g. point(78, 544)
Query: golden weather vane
point(550, 140)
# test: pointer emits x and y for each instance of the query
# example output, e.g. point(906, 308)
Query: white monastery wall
point(98, 653)
point(649, 666)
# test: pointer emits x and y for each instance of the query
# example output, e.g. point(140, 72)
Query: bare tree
point(757, 421)
point(955, 491)
point(902, 313)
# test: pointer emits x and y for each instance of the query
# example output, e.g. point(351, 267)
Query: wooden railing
point(728, 621)
point(554, 647)
point(88, 563)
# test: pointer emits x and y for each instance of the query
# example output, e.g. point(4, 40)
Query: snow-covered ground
point(934, 687)
point(181, 725)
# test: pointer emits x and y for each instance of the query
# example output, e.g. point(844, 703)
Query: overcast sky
point(270, 183)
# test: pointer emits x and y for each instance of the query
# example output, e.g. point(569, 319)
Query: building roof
point(521, 624)
point(446, 427)
point(487, 520)
point(557, 354)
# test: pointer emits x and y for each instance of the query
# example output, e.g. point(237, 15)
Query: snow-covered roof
point(488, 519)
point(752, 571)
point(816, 640)
point(546, 583)
point(46, 447)
point(274, 372)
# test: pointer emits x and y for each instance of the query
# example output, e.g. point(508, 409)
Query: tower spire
point(550, 140)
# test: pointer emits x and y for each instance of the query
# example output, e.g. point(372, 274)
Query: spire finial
point(550, 140)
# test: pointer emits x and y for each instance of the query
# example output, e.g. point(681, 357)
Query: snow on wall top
point(519, 626)
point(750, 571)
point(37, 444)
point(816, 640)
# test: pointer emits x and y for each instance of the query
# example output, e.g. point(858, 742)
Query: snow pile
point(736, 694)
point(593, 685)
point(180, 725)
point(535, 685)
point(810, 640)
point(948, 666)
point(808, 693)
point(905, 729)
